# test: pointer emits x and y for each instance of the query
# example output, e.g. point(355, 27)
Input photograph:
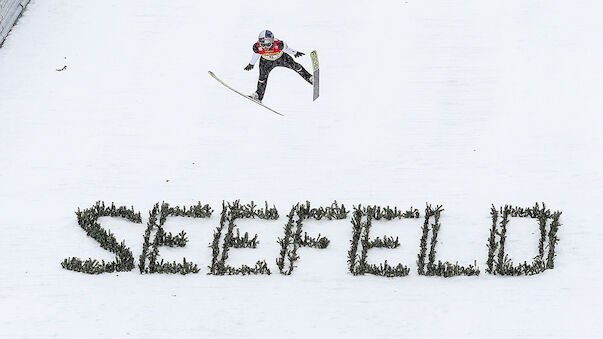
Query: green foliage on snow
point(293, 240)
point(431, 268)
point(149, 261)
point(498, 261)
point(88, 221)
point(358, 263)
point(227, 235)
point(230, 213)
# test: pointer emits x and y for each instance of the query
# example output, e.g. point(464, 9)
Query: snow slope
point(465, 104)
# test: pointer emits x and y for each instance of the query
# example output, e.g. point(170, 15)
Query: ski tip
point(210, 72)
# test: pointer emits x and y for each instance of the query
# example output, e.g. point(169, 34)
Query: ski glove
point(298, 54)
point(248, 67)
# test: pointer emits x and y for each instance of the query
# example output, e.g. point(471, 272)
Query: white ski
point(314, 57)
point(241, 94)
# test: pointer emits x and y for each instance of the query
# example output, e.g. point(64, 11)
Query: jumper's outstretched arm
point(254, 58)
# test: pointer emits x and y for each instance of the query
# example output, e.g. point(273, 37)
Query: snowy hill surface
point(463, 104)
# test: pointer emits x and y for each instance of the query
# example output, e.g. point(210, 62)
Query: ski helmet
point(266, 38)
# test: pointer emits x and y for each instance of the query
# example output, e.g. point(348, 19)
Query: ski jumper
point(275, 57)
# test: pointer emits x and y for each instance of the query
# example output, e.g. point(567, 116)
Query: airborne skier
point(273, 53)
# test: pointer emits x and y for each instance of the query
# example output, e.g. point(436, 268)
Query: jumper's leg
point(290, 63)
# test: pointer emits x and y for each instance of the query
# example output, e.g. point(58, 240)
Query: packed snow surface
point(464, 104)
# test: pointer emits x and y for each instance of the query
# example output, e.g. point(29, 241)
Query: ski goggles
point(266, 43)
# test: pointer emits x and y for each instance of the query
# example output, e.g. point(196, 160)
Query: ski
point(314, 57)
point(241, 94)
